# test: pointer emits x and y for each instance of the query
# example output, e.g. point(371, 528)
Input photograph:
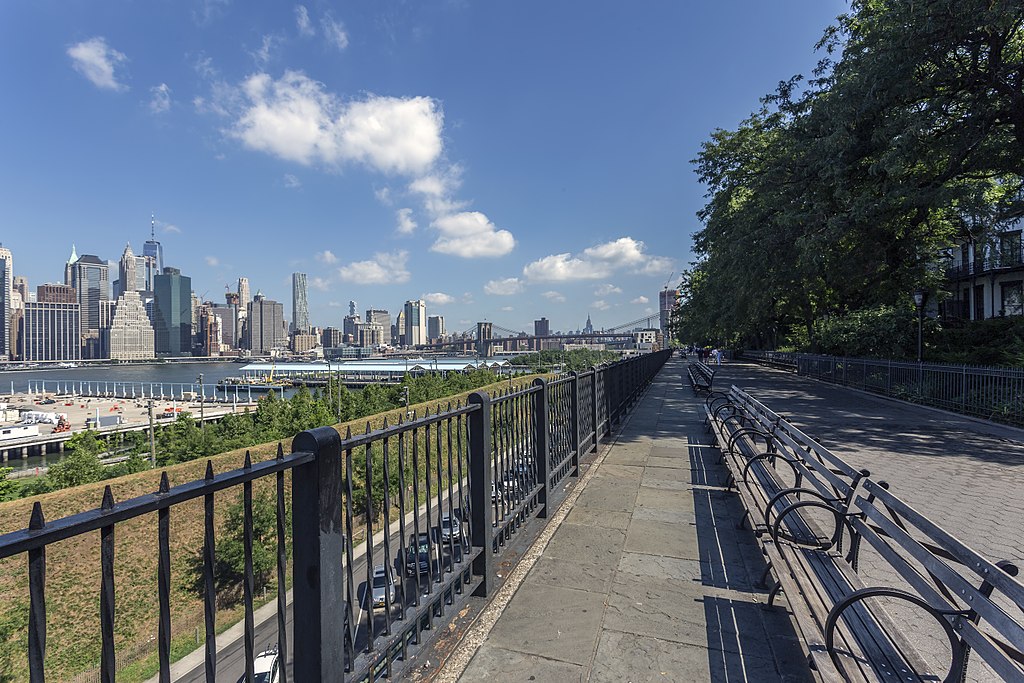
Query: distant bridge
point(481, 337)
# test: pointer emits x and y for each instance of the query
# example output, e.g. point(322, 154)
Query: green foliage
point(8, 489)
point(841, 193)
point(579, 360)
point(80, 464)
point(997, 341)
point(882, 332)
point(229, 565)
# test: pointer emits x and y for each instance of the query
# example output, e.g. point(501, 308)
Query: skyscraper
point(130, 335)
point(6, 290)
point(380, 317)
point(666, 304)
point(415, 322)
point(126, 273)
point(153, 248)
point(21, 286)
point(300, 303)
point(589, 327)
point(265, 325)
point(90, 278)
point(244, 298)
point(352, 308)
point(50, 331)
point(172, 313)
point(435, 327)
point(69, 264)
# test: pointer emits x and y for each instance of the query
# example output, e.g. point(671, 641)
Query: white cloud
point(640, 300)
point(167, 227)
point(98, 62)
point(600, 305)
point(505, 287)
point(302, 21)
point(212, 261)
point(291, 182)
point(471, 234)
point(605, 290)
point(321, 284)
point(160, 98)
point(326, 256)
point(406, 224)
point(383, 195)
point(296, 119)
point(335, 32)
point(597, 262)
point(436, 189)
point(268, 45)
point(209, 10)
point(552, 295)
point(438, 298)
point(508, 309)
point(334, 304)
point(382, 269)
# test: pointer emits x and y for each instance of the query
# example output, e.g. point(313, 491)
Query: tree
point(80, 464)
point(8, 489)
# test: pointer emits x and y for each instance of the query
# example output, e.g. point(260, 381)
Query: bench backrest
point(957, 582)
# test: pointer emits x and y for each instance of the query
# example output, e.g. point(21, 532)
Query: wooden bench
point(812, 511)
point(701, 376)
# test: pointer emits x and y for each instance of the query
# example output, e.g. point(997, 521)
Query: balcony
point(1001, 261)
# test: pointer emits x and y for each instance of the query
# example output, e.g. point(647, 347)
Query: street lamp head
point(920, 296)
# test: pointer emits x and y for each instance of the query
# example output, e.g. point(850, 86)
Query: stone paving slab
point(647, 578)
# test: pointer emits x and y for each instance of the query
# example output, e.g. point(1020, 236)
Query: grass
point(73, 566)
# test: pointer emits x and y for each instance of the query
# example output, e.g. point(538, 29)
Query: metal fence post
point(574, 420)
point(319, 588)
point(481, 512)
point(607, 385)
point(542, 451)
point(593, 405)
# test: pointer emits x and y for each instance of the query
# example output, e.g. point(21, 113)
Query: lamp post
point(920, 296)
point(202, 404)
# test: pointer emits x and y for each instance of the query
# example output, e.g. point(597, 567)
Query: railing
point(1007, 258)
point(990, 393)
point(432, 502)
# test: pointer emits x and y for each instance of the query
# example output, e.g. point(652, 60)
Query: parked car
point(383, 590)
point(266, 667)
point(419, 553)
point(451, 529)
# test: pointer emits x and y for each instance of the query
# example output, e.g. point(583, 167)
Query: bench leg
point(763, 583)
point(743, 520)
point(774, 594)
point(730, 482)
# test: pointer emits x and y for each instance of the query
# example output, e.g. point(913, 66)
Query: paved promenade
point(646, 577)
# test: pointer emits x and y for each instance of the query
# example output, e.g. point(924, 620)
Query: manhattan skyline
point(499, 163)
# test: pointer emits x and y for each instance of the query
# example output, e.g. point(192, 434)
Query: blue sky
point(503, 160)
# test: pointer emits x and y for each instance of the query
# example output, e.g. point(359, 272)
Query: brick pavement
point(647, 578)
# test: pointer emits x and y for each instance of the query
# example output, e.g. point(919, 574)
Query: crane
point(667, 281)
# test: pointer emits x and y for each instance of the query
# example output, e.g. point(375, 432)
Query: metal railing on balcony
point(391, 530)
point(1001, 259)
point(990, 393)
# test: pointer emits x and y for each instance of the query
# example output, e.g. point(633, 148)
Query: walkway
point(646, 579)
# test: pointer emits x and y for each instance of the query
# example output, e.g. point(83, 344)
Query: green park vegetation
point(579, 360)
point(844, 193)
point(183, 450)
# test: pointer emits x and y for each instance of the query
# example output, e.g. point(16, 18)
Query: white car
point(266, 667)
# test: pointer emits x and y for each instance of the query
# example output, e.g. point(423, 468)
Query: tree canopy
point(843, 192)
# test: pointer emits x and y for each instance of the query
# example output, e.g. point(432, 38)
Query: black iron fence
point(990, 393)
point(391, 530)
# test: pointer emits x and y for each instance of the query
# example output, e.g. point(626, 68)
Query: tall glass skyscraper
point(172, 313)
point(153, 248)
point(300, 303)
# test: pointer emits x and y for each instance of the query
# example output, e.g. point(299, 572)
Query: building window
point(1013, 298)
point(1010, 248)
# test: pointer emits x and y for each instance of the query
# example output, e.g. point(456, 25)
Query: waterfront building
point(6, 289)
point(51, 331)
point(228, 314)
point(380, 317)
point(666, 304)
point(130, 335)
point(266, 325)
point(370, 334)
point(90, 278)
point(172, 313)
point(331, 337)
point(300, 303)
point(153, 249)
point(304, 342)
point(52, 293)
point(435, 327)
point(415, 322)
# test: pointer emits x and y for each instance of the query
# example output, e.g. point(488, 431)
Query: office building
point(51, 331)
point(303, 342)
point(153, 249)
point(435, 327)
point(265, 325)
point(67, 266)
point(589, 327)
point(380, 317)
point(244, 298)
point(369, 334)
point(349, 326)
point(300, 303)
point(52, 293)
point(21, 287)
point(228, 314)
point(130, 335)
point(90, 278)
point(172, 313)
point(126, 273)
point(331, 337)
point(667, 299)
point(398, 330)
point(542, 327)
point(415, 322)
point(6, 290)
